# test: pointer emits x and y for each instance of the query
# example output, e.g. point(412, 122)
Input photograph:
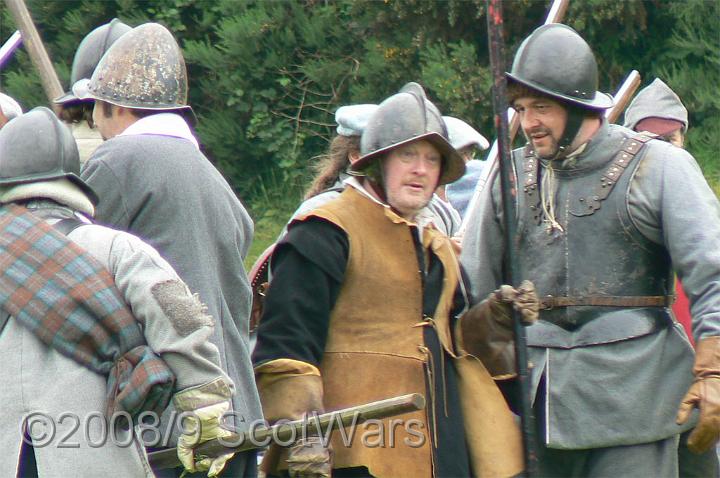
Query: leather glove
point(524, 300)
point(704, 394)
point(486, 330)
point(207, 408)
point(308, 458)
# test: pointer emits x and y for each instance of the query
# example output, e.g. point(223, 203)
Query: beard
point(548, 150)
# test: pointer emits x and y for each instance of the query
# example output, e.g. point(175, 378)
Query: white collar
point(162, 124)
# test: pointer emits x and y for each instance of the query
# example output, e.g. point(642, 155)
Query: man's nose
point(421, 166)
point(528, 120)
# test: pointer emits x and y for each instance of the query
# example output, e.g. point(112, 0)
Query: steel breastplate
point(599, 252)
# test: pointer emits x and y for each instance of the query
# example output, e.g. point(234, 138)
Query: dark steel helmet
point(403, 118)
point(144, 69)
point(37, 146)
point(556, 61)
point(89, 52)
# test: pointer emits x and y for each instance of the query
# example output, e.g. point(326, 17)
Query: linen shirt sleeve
point(671, 203)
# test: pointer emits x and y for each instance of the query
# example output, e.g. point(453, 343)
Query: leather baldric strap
point(629, 149)
point(549, 302)
point(529, 183)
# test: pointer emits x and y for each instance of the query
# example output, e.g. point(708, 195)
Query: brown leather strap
point(550, 302)
point(630, 147)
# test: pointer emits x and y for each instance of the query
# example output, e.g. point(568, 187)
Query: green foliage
point(267, 76)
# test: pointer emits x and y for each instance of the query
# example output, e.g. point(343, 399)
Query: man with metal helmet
point(657, 109)
point(363, 306)
point(94, 324)
point(76, 108)
point(604, 215)
point(155, 182)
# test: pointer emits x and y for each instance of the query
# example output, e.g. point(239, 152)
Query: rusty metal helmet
point(88, 55)
point(144, 69)
point(556, 61)
point(37, 146)
point(403, 118)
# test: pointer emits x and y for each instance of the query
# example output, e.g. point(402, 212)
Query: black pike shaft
point(508, 182)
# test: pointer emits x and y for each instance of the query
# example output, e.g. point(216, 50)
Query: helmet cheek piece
point(575, 116)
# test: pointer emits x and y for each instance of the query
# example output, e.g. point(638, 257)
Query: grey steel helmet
point(144, 69)
point(556, 61)
point(88, 55)
point(657, 100)
point(403, 118)
point(37, 146)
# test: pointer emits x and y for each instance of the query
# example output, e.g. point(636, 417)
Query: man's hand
point(524, 300)
point(206, 406)
point(202, 426)
point(486, 330)
point(308, 458)
point(704, 394)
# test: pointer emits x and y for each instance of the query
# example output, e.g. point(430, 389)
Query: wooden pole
point(554, 15)
point(346, 417)
point(36, 50)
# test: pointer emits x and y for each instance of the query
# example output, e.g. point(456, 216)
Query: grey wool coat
point(614, 376)
point(164, 190)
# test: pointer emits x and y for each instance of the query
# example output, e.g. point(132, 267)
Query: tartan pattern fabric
point(64, 296)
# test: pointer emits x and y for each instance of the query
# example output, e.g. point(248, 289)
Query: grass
point(273, 204)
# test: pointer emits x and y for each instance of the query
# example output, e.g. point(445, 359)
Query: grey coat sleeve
point(671, 203)
point(175, 323)
point(482, 244)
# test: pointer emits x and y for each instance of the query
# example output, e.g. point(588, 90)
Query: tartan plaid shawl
point(69, 301)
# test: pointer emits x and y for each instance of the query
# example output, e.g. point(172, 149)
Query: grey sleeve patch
point(184, 310)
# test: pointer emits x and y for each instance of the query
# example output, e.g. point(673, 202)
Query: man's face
point(411, 173)
point(107, 126)
point(543, 122)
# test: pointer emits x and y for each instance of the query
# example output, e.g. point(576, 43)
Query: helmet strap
point(575, 117)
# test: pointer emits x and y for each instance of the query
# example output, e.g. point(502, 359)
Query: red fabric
point(681, 309)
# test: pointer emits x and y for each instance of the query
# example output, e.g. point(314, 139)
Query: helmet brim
point(453, 167)
point(600, 101)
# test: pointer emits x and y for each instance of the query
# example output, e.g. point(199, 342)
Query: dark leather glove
point(308, 458)
point(704, 394)
point(486, 330)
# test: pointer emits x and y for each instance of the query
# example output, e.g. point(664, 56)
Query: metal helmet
point(144, 69)
point(403, 118)
point(88, 55)
point(556, 61)
point(37, 146)
point(657, 100)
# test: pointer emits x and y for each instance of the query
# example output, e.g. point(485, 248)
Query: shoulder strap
point(630, 148)
point(531, 166)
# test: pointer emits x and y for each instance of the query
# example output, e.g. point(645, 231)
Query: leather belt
point(549, 302)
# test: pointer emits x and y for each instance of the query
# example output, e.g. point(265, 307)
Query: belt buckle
point(546, 301)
